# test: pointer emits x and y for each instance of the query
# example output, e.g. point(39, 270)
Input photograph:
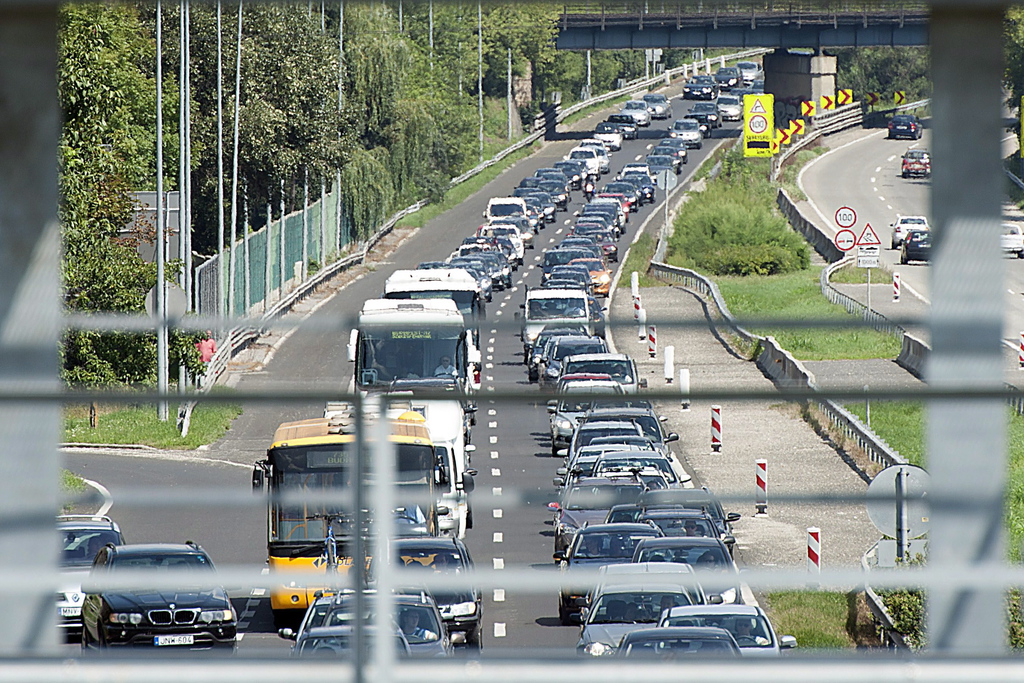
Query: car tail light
point(476, 375)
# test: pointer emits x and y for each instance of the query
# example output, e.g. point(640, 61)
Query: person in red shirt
point(207, 347)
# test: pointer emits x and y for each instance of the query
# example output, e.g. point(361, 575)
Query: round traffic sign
point(757, 124)
point(845, 240)
point(846, 217)
point(881, 500)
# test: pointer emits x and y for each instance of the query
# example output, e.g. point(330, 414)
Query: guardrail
point(891, 638)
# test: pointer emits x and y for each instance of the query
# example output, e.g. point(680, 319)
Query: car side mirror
point(786, 642)
point(443, 510)
point(258, 479)
point(642, 383)
point(662, 418)
point(557, 482)
point(729, 539)
point(732, 517)
point(562, 453)
point(577, 618)
point(671, 437)
point(562, 471)
point(554, 506)
point(558, 556)
point(353, 338)
point(715, 600)
point(468, 483)
point(287, 633)
point(582, 602)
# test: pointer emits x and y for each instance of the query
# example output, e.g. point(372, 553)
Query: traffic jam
point(623, 502)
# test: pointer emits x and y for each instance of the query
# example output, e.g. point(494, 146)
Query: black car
point(626, 125)
point(644, 181)
point(193, 617)
point(573, 170)
point(461, 608)
point(905, 126)
point(660, 162)
point(676, 153)
point(530, 182)
point(700, 88)
point(728, 77)
point(917, 246)
point(557, 190)
point(706, 113)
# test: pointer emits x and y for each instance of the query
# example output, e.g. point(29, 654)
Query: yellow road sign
point(798, 126)
point(828, 102)
point(808, 108)
point(899, 97)
point(758, 125)
point(844, 97)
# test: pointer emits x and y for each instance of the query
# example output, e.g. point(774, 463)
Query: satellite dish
point(881, 500)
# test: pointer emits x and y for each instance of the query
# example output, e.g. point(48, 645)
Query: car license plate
point(173, 640)
point(71, 611)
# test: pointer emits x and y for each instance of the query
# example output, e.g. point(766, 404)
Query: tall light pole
point(480, 71)
point(234, 168)
point(161, 285)
point(509, 93)
point(341, 101)
point(186, 200)
point(430, 22)
point(220, 169)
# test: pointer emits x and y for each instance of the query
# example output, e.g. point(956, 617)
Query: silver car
point(687, 130)
point(748, 624)
point(638, 110)
point(658, 105)
point(730, 107)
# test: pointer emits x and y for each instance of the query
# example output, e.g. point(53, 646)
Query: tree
point(884, 70)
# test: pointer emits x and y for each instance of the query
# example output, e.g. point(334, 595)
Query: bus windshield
point(387, 354)
point(463, 299)
point(321, 469)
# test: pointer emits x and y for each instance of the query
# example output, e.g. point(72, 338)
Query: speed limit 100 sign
point(846, 217)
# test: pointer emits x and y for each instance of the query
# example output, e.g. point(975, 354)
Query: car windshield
point(573, 349)
point(700, 557)
point(618, 369)
point(602, 497)
point(748, 630)
point(657, 98)
point(702, 107)
point(686, 124)
point(611, 544)
point(680, 526)
point(703, 80)
point(585, 436)
point(659, 160)
point(669, 648)
point(583, 154)
point(561, 307)
point(161, 561)
point(505, 209)
point(639, 607)
point(635, 104)
point(606, 128)
point(729, 71)
point(729, 100)
point(632, 461)
point(438, 560)
point(81, 545)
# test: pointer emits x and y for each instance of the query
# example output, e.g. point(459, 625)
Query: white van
point(550, 307)
point(587, 155)
point(505, 206)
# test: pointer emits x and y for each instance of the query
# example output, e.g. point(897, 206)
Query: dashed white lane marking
point(495, 472)
point(495, 490)
point(558, 232)
point(536, 258)
point(499, 595)
point(492, 425)
point(499, 563)
point(499, 629)
point(494, 455)
point(877, 170)
point(493, 332)
point(638, 157)
point(497, 313)
point(567, 221)
point(518, 283)
point(489, 366)
point(889, 206)
point(872, 179)
point(503, 303)
point(492, 411)
point(497, 513)
point(891, 158)
point(881, 198)
point(532, 266)
point(874, 189)
point(498, 537)
point(490, 388)
point(490, 357)
point(516, 289)
point(494, 439)
point(489, 378)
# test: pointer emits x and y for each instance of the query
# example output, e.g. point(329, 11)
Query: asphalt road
point(512, 444)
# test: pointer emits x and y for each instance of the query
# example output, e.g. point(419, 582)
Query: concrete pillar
point(967, 465)
point(795, 78)
point(29, 323)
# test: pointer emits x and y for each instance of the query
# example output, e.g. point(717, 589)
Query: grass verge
point(460, 192)
point(791, 170)
point(639, 259)
point(852, 275)
point(797, 296)
point(899, 423)
point(138, 424)
point(820, 619)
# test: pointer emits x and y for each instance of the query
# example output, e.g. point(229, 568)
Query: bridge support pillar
point(795, 78)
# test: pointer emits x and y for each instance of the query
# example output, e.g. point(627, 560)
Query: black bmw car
point(196, 616)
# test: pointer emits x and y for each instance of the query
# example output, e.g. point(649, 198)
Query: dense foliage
point(884, 70)
point(732, 229)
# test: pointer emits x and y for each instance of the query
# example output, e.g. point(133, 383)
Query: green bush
point(732, 227)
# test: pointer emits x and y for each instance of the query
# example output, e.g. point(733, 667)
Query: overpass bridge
point(690, 24)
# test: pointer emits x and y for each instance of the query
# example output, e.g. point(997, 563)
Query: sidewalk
point(799, 461)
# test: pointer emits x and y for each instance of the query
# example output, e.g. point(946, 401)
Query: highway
point(512, 440)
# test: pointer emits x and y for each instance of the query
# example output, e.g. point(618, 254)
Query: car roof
point(97, 522)
point(599, 356)
point(717, 610)
point(617, 527)
point(664, 633)
point(683, 542)
point(162, 548)
point(428, 542)
point(641, 568)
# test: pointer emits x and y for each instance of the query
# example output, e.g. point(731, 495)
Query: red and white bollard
point(761, 502)
point(813, 550)
point(895, 287)
point(670, 364)
point(1020, 351)
point(634, 284)
point(716, 428)
point(652, 341)
point(642, 325)
point(636, 306)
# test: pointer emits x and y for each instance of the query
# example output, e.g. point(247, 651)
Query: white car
point(587, 155)
point(609, 134)
point(750, 71)
point(602, 152)
point(687, 130)
point(730, 107)
point(632, 168)
point(748, 624)
point(903, 224)
point(1012, 240)
point(638, 110)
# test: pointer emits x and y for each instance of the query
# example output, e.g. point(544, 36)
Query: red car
point(917, 163)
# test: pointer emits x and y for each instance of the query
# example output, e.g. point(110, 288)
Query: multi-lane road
point(512, 442)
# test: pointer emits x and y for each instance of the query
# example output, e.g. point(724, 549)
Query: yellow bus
point(317, 456)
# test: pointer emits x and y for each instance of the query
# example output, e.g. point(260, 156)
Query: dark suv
point(194, 617)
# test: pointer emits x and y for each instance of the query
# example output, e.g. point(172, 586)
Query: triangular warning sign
point(757, 107)
point(868, 237)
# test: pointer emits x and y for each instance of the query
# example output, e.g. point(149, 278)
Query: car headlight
point(598, 650)
point(713, 117)
point(133, 618)
point(208, 616)
point(563, 424)
point(463, 609)
point(532, 336)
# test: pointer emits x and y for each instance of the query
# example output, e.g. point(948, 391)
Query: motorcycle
point(588, 191)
